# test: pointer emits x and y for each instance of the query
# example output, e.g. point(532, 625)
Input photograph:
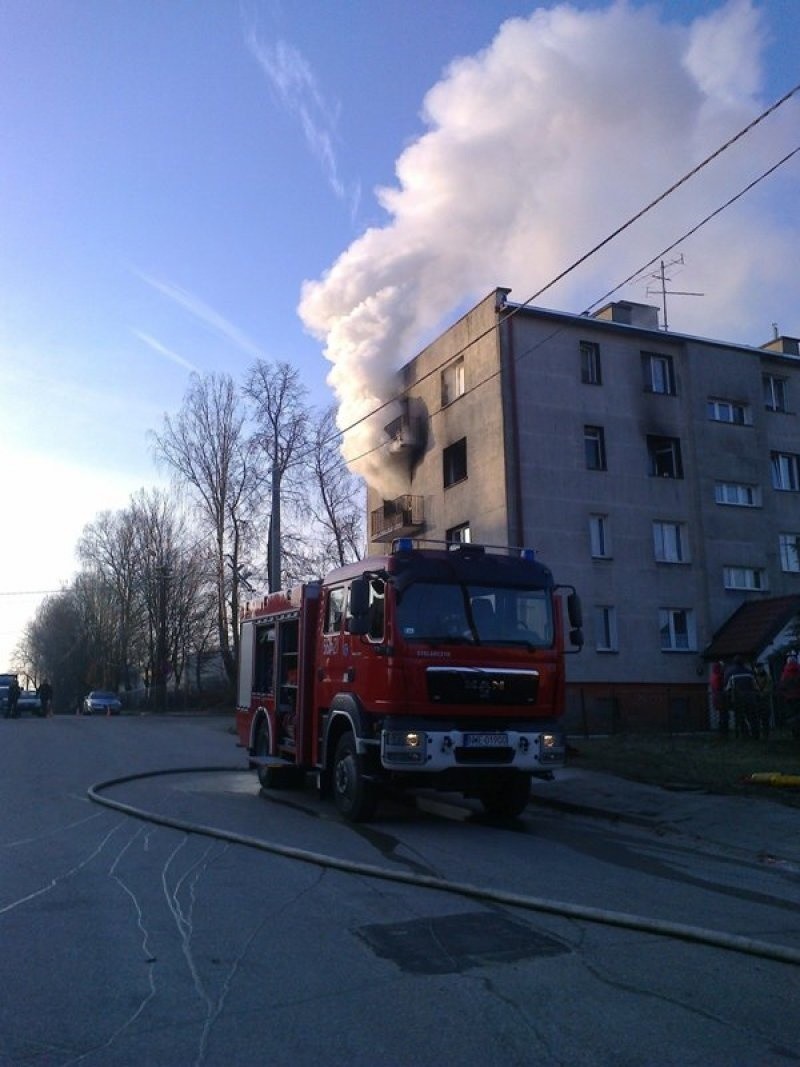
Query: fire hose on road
point(678, 931)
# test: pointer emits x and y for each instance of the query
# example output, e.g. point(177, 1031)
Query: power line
point(694, 229)
point(519, 307)
point(30, 592)
point(582, 259)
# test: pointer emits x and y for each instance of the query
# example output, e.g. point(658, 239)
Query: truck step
point(270, 761)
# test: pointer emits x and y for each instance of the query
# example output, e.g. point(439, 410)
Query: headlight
point(403, 746)
point(551, 741)
point(404, 739)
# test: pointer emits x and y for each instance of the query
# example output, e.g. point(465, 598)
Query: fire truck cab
point(428, 667)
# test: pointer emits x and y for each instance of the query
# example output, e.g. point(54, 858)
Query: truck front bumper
point(433, 751)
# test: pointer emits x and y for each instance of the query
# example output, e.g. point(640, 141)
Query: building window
point(785, 471)
point(790, 552)
point(677, 630)
point(658, 373)
point(670, 542)
point(729, 411)
point(454, 462)
point(459, 535)
point(738, 494)
point(600, 536)
point(744, 578)
point(595, 447)
point(453, 382)
point(774, 392)
point(590, 363)
point(605, 629)
point(664, 457)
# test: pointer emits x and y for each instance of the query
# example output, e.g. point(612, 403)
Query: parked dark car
point(101, 702)
point(29, 701)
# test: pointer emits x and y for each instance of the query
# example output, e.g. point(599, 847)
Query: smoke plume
point(533, 151)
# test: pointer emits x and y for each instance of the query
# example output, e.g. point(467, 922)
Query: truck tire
point(355, 798)
point(507, 797)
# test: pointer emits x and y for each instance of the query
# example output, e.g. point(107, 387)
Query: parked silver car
point(101, 702)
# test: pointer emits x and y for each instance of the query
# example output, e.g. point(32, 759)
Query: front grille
point(487, 688)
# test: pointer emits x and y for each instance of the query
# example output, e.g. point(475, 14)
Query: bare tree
point(206, 447)
point(334, 499)
point(97, 608)
point(281, 415)
point(176, 583)
point(55, 647)
point(109, 547)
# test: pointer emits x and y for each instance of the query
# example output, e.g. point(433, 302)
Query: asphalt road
point(128, 942)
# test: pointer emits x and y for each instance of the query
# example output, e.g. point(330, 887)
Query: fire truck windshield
point(480, 614)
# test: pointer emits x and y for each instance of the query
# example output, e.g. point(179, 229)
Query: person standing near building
point(45, 692)
point(740, 690)
point(763, 681)
point(716, 686)
point(789, 688)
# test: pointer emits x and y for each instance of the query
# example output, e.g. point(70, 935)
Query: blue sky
point(184, 186)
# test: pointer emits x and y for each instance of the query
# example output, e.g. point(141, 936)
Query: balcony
point(402, 517)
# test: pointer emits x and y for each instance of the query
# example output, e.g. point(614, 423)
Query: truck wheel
point(506, 798)
point(355, 798)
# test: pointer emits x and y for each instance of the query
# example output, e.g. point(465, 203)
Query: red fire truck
point(438, 667)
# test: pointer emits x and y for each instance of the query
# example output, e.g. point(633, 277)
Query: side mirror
point(359, 596)
point(358, 622)
point(575, 612)
point(576, 637)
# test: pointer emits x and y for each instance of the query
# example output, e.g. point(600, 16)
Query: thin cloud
point(205, 314)
point(296, 87)
point(162, 350)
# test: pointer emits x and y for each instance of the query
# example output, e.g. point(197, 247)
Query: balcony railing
point(400, 517)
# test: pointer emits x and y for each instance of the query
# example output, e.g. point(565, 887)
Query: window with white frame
point(600, 536)
point(590, 363)
point(790, 552)
point(774, 392)
point(453, 382)
point(677, 630)
point(658, 373)
point(729, 411)
point(744, 578)
point(595, 448)
point(605, 628)
point(738, 494)
point(670, 542)
point(785, 468)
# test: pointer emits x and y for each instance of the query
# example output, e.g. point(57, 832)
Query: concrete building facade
point(657, 472)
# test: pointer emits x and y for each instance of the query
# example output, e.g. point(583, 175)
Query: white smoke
point(536, 149)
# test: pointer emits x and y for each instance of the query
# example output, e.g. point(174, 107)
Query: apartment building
point(657, 472)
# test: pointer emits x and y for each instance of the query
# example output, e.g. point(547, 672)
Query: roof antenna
point(661, 276)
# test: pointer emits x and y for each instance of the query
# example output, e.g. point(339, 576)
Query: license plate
point(485, 740)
